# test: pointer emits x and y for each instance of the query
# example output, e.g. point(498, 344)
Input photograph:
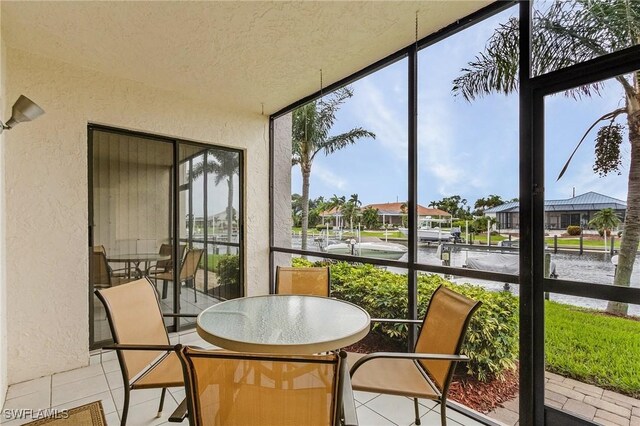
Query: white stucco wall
point(3, 287)
point(46, 202)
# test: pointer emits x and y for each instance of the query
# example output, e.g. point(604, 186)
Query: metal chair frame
point(455, 358)
point(128, 382)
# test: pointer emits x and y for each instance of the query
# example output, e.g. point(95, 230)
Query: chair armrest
point(180, 315)
point(348, 403)
point(180, 413)
point(396, 321)
point(400, 355)
point(127, 347)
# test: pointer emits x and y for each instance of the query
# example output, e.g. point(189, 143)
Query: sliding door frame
point(174, 210)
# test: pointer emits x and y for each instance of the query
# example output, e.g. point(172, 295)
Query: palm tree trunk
point(306, 172)
point(631, 232)
point(229, 208)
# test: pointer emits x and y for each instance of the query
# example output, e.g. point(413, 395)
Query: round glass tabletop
point(283, 324)
point(137, 257)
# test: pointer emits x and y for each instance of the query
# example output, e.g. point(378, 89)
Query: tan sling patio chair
point(228, 388)
point(303, 281)
point(165, 265)
point(188, 271)
point(144, 352)
point(102, 276)
point(427, 372)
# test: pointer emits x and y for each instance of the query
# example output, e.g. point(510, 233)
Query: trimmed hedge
point(574, 230)
point(491, 341)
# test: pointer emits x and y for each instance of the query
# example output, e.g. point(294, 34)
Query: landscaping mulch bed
point(484, 397)
point(479, 396)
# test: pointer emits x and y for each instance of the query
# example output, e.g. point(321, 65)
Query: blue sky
point(466, 149)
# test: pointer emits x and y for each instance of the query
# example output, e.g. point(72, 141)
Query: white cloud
point(329, 178)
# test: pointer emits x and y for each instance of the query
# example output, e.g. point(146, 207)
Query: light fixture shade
point(24, 110)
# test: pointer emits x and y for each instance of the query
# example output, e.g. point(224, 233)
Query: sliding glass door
point(136, 184)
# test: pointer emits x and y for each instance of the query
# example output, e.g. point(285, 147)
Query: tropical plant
point(351, 209)
point(567, 33)
point(455, 205)
point(310, 135)
point(335, 203)
point(370, 218)
point(482, 204)
point(405, 214)
point(605, 220)
point(223, 165)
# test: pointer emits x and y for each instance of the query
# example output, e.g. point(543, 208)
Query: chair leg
point(125, 408)
point(164, 391)
point(416, 407)
point(195, 290)
point(443, 412)
point(165, 285)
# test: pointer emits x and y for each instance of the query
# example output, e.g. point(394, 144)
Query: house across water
point(558, 214)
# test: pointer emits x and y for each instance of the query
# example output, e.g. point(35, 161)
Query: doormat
point(86, 415)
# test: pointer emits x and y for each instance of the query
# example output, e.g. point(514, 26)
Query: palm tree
point(605, 220)
point(568, 33)
point(223, 165)
point(354, 208)
point(336, 203)
point(310, 135)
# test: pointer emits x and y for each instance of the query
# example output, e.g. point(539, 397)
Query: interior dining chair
point(102, 276)
point(188, 271)
point(228, 388)
point(165, 265)
point(304, 281)
point(427, 372)
point(140, 338)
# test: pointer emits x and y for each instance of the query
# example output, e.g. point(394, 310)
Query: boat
point(427, 234)
point(501, 262)
point(378, 250)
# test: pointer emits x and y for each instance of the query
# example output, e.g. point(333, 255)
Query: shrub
point(574, 230)
point(299, 262)
point(229, 270)
point(491, 341)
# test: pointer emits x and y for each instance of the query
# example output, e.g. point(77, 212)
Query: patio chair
point(304, 281)
point(144, 352)
point(229, 388)
point(102, 276)
point(188, 271)
point(427, 372)
point(165, 265)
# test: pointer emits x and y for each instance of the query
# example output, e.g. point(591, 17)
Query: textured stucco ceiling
point(236, 55)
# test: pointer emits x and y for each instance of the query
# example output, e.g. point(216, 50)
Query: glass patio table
point(136, 259)
point(284, 324)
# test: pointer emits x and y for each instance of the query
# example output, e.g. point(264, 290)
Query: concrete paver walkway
point(599, 405)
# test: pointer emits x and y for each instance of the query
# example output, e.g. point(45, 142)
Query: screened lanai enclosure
point(148, 192)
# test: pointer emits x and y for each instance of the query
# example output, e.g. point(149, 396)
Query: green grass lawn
point(593, 348)
point(575, 242)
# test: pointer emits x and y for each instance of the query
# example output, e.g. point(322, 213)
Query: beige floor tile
point(137, 397)
point(111, 365)
point(113, 419)
point(368, 417)
point(77, 390)
point(114, 379)
point(105, 398)
point(32, 401)
point(145, 414)
point(364, 397)
point(32, 386)
point(76, 375)
point(398, 409)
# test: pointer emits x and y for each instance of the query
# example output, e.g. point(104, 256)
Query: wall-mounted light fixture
point(23, 110)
